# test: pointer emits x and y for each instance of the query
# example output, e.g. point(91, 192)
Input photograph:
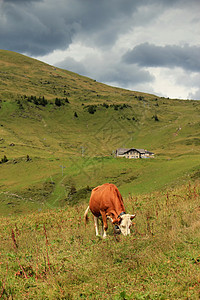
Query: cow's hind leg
point(104, 231)
point(96, 225)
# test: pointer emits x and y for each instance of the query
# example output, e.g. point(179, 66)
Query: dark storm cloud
point(30, 28)
point(148, 55)
point(37, 27)
point(17, 1)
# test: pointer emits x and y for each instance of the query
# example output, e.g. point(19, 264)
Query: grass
point(52, 255)
point(43, 181)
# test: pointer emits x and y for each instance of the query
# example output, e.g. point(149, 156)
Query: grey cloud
point(109, 72)
point(44, 26)
point(124, 75)
point(72, 65)
point(24, 28)
point(24, 1)
point(37, 27)
point(195, 96)
point(148, 55)
point(192, 81)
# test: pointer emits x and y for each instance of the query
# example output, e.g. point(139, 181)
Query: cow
point(106, 203)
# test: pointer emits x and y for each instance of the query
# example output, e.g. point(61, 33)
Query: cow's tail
point(86, 215)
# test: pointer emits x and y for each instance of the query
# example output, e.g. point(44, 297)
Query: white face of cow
point(126, 222)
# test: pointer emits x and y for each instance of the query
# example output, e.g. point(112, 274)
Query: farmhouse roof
point(148, 152)
point(142, 151)
point(121, 151)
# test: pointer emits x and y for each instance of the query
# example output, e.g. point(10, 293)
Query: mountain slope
point(31, 76)
point(69, 126)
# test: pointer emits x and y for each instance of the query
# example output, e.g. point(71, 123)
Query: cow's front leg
point(102, 228)
point(96, 225)
point(105, 225)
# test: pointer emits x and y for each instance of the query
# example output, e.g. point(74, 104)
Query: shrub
point(155, 117)
point(140, 98)
point(92, 109)
point(43, 101)
point(72, 190)
point(4, 159)
point(105, 105)
point(66, 100)
point(20, 105)
point(58, 102)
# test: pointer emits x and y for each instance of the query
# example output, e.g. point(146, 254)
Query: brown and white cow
point(106, 203)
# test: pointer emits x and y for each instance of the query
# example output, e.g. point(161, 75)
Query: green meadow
point(51, 255)
point(58, 135)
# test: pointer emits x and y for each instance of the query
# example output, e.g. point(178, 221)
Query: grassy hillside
point(59, 130)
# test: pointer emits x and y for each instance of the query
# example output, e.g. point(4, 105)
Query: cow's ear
point(132, 216)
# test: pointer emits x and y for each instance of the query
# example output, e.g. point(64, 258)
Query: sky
point(149, 46)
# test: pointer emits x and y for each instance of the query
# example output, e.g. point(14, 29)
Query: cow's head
point(125, 223)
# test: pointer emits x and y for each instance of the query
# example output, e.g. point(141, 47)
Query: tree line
point(41, 100)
